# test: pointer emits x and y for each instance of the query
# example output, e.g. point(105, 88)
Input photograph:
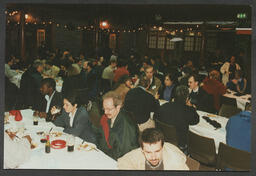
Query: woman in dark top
point(168, 90)
point(74, 118)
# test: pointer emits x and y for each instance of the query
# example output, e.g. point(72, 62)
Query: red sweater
point(120, 72)
point(215, 88)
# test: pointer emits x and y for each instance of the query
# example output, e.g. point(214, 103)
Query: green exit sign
point(241, 15)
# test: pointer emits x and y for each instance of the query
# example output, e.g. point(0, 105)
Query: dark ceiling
point(133, 14)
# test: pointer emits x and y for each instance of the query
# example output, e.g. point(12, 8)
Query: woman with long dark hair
point(74, 118)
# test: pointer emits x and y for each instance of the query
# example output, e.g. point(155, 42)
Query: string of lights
point(14, 19)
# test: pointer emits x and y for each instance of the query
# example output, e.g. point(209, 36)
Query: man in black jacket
point(117, 134)
point(50, 97)
point(140, 103)
point(180, 114)
point(198, 97)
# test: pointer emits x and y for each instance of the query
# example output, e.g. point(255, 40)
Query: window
point(211, 42)
point(169, 44)
point(198, 43)
point(152, 41)
point(40, 36)
point(160, 42)
point(158, 39)
point(112, 41)
point(189, 43)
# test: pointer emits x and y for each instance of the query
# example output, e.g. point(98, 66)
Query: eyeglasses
point(108, 109)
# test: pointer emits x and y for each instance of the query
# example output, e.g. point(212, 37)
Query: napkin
point(17, 114)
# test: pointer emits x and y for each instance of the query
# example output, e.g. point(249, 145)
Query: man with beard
point(153, 154)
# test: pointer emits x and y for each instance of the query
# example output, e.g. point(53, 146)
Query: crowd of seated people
point(127, 94)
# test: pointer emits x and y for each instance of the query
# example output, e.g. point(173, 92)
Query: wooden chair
point(232, 158)
point(228, 110)
point(169, 132)
point(202, 149)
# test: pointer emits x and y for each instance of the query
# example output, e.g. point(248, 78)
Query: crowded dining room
point(128, 87)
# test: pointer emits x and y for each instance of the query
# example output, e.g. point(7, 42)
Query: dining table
point(241, 100)
point(85, 155)
point(203, 128)
point(17, 79)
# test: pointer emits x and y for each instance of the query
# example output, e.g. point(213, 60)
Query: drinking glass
point(70, 143)
point(35, 118)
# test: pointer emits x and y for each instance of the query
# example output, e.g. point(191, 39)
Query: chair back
point(232, 158)
point(169, 132)
point(202, 149)
point(228, 101)
point(228, 110)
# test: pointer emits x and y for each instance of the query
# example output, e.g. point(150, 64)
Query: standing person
point(154, 154)
point(214, 87)
point(140, 103)
point(117, 134)
point(180, 114)
point(228, 70)
point(74, 118)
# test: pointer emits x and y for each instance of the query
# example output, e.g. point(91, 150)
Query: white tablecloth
point(205, 129)
point(240, 100)
point(17, 78)
point(58, 158)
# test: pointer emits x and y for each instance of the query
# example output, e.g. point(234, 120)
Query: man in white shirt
point(51, 97)
point(198, 97)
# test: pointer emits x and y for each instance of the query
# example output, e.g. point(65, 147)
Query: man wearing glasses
point(117, 134)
